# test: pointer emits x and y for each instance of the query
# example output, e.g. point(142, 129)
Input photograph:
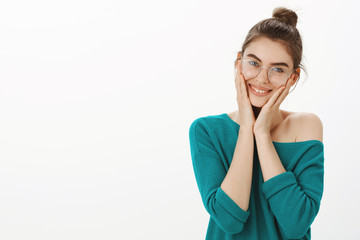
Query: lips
point(259, 91)
point(260, 88)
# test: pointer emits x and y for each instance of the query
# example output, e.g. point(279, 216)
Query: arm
point(237, 183)
point(269, 160)
point(227, 206)
point(294, 196)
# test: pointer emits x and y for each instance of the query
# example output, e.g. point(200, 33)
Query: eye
point(253, 63)
point(278, 69)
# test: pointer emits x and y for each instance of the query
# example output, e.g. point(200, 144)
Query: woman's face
point(267, 53)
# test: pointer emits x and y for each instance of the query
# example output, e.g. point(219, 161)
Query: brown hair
point(281, 27)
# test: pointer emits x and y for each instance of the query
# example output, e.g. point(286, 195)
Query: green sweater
point(283, 207)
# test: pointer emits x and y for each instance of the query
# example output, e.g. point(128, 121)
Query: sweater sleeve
point(209, 173)
point(294, 196)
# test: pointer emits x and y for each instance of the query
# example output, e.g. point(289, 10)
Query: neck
point(256, 111)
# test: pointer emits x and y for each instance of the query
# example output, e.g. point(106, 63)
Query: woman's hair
point(281, 27)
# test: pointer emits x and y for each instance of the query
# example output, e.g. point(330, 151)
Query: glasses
point(251, 68)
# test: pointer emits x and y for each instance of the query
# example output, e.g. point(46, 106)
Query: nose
point(263, 76)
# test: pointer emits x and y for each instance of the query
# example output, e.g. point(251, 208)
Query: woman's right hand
point(245, 111)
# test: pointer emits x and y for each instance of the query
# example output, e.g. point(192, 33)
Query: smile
point(258, 92)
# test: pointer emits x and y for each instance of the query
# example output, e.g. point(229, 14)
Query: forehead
point(269, 51)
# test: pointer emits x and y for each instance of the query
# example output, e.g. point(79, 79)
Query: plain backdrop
point(97, 97)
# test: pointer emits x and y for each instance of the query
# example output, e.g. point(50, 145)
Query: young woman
point(260, 169)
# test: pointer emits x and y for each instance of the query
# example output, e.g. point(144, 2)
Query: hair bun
point(285, 15)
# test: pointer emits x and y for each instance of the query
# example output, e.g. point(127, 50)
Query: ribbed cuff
point(231, 206)
point(278, 183)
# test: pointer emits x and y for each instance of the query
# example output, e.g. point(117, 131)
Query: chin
point(259, 105)
point(257, 102)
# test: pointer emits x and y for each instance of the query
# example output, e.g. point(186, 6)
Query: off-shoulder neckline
point(300, 142)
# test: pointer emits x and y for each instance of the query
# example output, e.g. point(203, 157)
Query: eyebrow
point(277, 64)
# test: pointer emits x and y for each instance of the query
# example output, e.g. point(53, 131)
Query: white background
point(97, 97)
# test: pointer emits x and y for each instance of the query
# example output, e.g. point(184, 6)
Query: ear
point(295, 76)
point(238, 57)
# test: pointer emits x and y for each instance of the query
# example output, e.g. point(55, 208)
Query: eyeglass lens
point(275, 75)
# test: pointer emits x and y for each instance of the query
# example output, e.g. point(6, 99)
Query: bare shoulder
point(308, 126)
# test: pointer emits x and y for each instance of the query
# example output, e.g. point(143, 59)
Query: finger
point(237, 67)
point(238, 77)
point(237, 70)
point(275, 96)
point(283, 94)
point(243, 88)
point(241, 84)
point(238, 83)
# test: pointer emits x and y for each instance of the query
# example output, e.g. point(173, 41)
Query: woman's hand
point(264, 120)
point(246, 114)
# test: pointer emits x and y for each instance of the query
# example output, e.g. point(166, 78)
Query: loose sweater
point(283, 207)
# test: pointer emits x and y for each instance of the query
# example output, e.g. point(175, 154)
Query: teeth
point(258, 90)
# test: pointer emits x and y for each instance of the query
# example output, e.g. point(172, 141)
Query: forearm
point(270, 162)
point(299, 189)
point(237, 182)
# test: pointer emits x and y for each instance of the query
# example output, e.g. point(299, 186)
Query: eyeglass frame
point(261, 67)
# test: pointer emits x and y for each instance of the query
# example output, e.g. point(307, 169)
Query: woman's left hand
point(264, 120)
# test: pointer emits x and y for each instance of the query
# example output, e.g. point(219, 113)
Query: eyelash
point(255, 63)
point(277, 69)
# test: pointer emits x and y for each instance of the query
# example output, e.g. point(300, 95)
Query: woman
point(260, 169)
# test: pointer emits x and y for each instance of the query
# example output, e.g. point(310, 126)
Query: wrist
point(261, 134)
point(246, 129)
